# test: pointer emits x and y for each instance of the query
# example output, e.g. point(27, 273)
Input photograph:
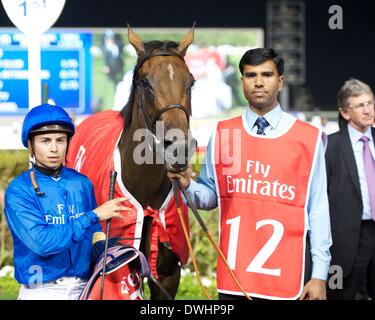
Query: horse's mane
point(149, 47)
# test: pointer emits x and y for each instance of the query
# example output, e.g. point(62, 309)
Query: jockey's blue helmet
point(46, 118)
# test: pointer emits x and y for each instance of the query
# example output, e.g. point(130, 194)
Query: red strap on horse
point(157, 232)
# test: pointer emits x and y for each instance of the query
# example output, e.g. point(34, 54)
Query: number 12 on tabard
point(256, 265)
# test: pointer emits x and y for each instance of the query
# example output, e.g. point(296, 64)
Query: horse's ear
point(135, 41)
point(186, 41)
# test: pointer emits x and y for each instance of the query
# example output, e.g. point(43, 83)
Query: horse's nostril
point(167, 143)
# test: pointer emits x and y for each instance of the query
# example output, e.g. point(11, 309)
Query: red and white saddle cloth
point(93, 152)
point(125, 269)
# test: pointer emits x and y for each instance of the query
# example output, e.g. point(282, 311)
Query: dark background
point(332, 56)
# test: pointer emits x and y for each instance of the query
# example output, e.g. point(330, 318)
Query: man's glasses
point(361, 105)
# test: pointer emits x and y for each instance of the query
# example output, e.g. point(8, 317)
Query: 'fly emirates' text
point(260, 186)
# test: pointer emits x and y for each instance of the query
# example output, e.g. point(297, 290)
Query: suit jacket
point(345, 199)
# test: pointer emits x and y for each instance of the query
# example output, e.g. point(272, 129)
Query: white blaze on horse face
point(171, 72)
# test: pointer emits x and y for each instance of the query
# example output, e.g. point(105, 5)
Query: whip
point(108, 227)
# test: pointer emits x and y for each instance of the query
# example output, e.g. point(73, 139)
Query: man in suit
point(351, 191)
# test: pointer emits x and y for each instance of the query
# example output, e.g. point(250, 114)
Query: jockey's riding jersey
point(94, 152)
point(52, 232)
point(263, 185)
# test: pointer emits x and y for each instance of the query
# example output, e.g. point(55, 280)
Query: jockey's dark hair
point(149, 47)
point(258, 56)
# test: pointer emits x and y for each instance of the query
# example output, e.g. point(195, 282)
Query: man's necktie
point(370, 173)
point(261, 124)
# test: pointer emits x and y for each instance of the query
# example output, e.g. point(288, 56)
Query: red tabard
point(93, 152)
point(263, 186)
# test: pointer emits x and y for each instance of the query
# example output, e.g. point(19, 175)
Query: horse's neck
point(148, 183)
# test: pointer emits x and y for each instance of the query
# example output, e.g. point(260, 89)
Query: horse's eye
point(144, 83)
point(191, 84)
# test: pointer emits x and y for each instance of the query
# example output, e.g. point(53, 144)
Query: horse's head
point(160, 100)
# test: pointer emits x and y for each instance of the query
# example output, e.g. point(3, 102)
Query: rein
point(177, 185)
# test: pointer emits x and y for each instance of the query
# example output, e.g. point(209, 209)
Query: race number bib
point(265, 249)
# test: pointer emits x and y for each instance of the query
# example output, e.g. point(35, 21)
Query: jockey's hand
point(315, 289)
point(184, 176)
point(111, 209)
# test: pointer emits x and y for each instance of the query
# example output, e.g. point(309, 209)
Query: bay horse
point(159, 102)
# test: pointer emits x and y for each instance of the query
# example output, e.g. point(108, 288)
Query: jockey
point(52, 213)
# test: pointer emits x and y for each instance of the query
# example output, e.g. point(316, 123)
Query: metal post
point(284, 98)
point(34, 74)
